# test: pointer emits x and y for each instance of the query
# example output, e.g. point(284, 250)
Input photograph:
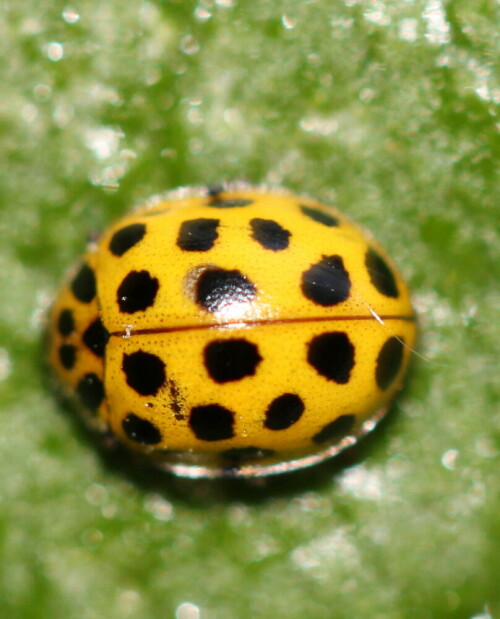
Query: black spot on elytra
point(96, 337)
point(217, 289)
point(141, 430)
point(221, 202)
point(284, 411)
point(327, 283)
point(198, 234)
point(269, 234)
point(228, 360)
point(380, 273)
point(389, 361)
point(137, 292)
point(319, 216)
point(211, 422)
point(83, 285)
point(91, 391)
point(67, 356)
point(244, 454)
point(125, 238)
point(332, 355)
point(144, 372)
point(66, 322)
point(335, 430)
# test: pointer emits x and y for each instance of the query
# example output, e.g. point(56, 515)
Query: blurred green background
point(386, 108)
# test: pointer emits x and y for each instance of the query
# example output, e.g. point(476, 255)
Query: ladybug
point(233, 331)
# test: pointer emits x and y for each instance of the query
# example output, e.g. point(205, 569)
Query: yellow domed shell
point(237, 331)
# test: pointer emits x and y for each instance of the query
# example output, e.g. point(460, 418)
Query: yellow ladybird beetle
point(233, 331)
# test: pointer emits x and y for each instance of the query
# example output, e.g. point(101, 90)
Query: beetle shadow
point(200, 493)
